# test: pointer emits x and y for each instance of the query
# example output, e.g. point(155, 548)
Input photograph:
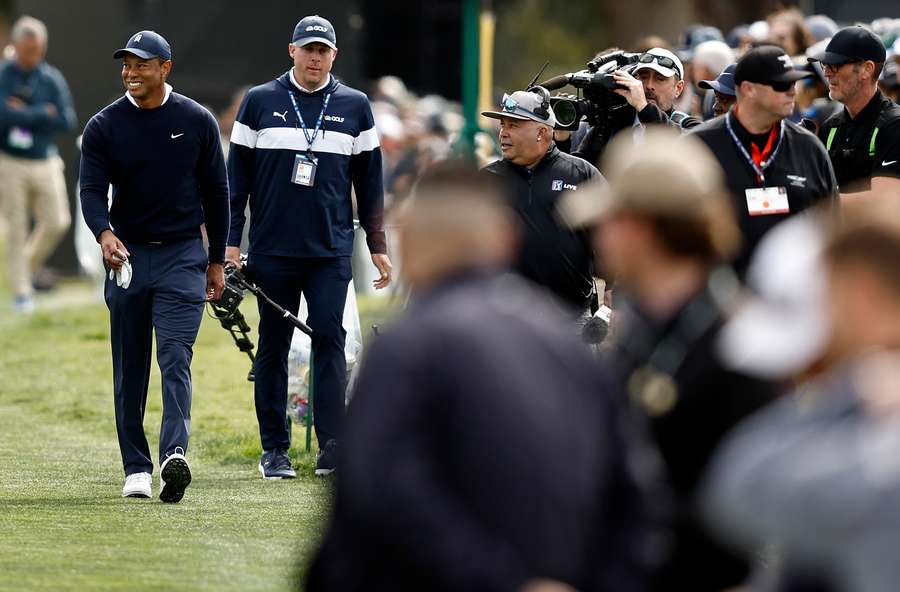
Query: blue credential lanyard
point(310, 138)
point(763, 165)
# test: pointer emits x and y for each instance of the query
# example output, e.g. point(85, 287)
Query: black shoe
point(174, 476)
point(276, 464)
point(326, 461)
point(44, 280)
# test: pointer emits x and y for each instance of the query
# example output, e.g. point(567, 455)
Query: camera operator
point(536, 174)
point(651, 89)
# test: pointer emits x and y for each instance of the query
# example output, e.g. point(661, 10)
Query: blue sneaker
point(276, 464)
point(24, 304)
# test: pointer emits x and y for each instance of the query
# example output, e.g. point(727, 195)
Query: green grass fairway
point(63, 524)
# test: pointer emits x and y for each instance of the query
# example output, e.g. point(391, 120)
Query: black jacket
point(709, 400)
point(858, 152)
point(552, 255)
point(483, 448)
point(800, 165)
point(590, 146)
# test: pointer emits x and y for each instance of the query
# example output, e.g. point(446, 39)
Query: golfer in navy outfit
point(162, 155)
point(301, 142)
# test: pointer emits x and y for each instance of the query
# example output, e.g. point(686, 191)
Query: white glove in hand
point(123, 275)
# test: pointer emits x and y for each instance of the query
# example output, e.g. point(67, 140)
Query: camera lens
point(566, 113)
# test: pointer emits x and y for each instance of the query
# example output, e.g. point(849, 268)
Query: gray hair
point(715, 55)
point(28, 26)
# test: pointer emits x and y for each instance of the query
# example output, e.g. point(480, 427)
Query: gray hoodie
point(818, 475)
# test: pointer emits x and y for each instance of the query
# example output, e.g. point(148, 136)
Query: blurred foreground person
point(819, 472)
point(780, 331)
point(663, 226)
point(483, 450)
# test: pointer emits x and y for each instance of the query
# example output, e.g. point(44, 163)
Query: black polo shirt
point(864, 146)
point(800, 165)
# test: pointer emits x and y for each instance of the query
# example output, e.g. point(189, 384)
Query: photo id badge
point(304, 171)
point(766, 201)
point(20, 137)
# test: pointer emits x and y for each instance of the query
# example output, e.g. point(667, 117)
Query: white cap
point(782, 328)
point(525, 104)
point(654, 65)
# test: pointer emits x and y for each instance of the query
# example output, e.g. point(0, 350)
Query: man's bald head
point(456, 220)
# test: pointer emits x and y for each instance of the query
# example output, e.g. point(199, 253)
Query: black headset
point(544, 109)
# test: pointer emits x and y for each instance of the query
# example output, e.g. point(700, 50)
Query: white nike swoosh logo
point(177, 135)
point(886, 163)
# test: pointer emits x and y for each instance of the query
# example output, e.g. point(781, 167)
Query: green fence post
point(470, 75)
point(309, 404)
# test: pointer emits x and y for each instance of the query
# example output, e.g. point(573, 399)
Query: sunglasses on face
point(649, 58)
point(780, 86)
point(836, 67)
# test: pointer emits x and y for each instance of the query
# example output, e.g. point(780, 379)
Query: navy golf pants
point(323, 282)
point(166, 297)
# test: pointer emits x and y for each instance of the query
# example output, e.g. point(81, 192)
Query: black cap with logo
point(852, 44)
point(765, 64)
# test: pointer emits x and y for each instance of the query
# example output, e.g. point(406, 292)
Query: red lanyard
point(758, 161)
point(760, 157)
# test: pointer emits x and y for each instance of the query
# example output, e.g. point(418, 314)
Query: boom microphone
point(556, 82)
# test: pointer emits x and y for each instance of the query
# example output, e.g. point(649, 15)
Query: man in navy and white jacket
point(300, 143)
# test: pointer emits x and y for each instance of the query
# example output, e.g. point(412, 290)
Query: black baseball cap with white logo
point(765, 64)
point(852, 44)
point(146, 45)
point(314, 29)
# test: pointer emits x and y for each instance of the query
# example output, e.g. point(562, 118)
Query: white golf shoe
point(138, 485)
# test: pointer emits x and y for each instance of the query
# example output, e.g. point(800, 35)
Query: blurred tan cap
point(663, 173)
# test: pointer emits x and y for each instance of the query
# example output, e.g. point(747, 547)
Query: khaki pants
point(32, 188)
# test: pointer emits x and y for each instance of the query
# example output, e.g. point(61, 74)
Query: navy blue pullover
point(167, 171)
point(291, 220)
point(37, 88)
